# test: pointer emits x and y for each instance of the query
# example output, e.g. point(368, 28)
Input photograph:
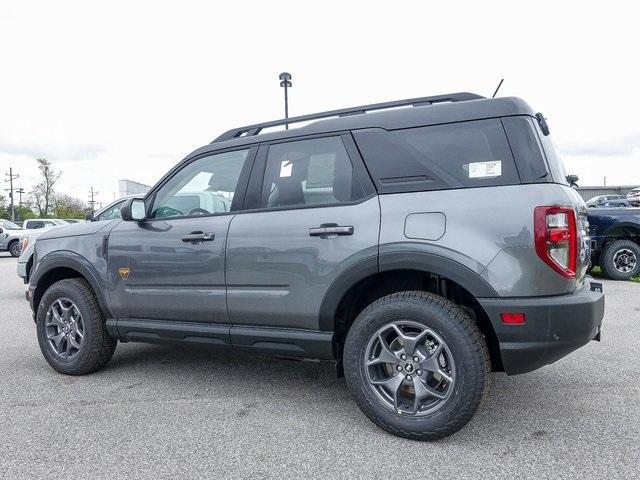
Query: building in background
point(129, 187)
point(588, 193)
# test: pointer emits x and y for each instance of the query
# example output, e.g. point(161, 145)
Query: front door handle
point(328, 229)
point(197, 237)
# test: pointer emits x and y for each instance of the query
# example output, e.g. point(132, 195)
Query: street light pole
point(285, 81)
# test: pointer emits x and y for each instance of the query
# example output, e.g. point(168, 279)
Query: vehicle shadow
point(529, 407)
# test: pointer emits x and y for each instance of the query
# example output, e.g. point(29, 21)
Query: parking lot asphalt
point(167, 412)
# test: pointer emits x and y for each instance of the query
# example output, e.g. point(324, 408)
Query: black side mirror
point(89, 216)
point(133, 210)
point(1, 230)
point(573, 180)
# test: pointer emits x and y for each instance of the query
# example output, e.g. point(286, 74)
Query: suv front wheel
point(71, 328)
point(416, 364)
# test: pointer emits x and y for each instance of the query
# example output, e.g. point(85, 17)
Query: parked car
point(10, 237)
point(615, 241)
point(376, 237)
point(608, 201)
point(35, 223)
point(633, 197)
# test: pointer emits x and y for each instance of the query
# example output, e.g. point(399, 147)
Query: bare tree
point(43, 194)
point(69, 207)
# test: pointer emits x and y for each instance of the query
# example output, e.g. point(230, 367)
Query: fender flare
point(404, 260)
point(74, 261)
point(628, 225)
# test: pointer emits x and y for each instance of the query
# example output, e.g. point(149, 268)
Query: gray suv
point(419, 248)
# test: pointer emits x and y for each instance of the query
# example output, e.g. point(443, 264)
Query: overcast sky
point(115, 90)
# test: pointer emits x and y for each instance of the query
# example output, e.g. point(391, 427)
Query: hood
point(73, 230)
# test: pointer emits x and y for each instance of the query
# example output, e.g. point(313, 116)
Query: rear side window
point(309, 172)
point(457, 155)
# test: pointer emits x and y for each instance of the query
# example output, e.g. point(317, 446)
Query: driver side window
point(205, 186)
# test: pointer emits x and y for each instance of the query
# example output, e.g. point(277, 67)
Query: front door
point(315, 216)
point(171, 267)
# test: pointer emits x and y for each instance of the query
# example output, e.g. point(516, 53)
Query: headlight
point(24, 243)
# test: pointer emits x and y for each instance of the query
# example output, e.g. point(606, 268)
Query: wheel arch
point(371, 279)
point(62, 265)
point(622, 230)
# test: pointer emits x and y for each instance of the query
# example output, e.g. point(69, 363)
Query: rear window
point(458, 155)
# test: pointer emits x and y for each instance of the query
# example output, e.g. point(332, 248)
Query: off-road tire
point(467, 346)
point(607, 259)
point(97, 347)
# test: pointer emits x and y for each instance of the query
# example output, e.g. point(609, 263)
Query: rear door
point(310, 214)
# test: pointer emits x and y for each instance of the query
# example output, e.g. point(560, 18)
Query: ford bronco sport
point(419, 248)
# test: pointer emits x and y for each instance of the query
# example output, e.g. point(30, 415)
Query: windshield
point(7, 225)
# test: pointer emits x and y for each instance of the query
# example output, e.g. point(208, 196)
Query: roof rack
point(255, 129)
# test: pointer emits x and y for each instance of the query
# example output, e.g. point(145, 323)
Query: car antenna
point(497, 88)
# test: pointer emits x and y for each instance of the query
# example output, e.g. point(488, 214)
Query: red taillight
point(513, 318)
point(556, 238)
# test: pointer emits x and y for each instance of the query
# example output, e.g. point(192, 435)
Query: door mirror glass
point(133, 210)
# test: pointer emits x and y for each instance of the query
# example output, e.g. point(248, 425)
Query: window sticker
point(285, 168)
point(485, 169)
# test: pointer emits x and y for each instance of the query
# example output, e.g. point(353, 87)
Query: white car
point(38, 223)
point(10, 234)
point(633, 197)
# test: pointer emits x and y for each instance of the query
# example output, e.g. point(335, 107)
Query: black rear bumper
point(555, 326)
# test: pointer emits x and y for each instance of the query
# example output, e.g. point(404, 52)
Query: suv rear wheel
point(620, 259)
point(416, 364)
point(71, 328)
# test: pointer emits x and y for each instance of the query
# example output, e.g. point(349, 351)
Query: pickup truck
point(615, 241)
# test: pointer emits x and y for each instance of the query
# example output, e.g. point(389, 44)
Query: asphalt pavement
point(169, 412)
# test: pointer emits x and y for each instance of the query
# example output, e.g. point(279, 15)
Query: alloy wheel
point(410, 368)
point(625, 260)
point(64, 328)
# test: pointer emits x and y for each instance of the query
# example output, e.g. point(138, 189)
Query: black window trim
point(253, 194)
point(238, 196)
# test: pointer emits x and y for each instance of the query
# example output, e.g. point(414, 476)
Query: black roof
point(426, 111)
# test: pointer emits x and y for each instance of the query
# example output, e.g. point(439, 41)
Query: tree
point(43, 194)
point(4, 212)
point(69, 207)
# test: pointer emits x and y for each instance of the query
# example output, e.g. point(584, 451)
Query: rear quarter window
point(458, 155)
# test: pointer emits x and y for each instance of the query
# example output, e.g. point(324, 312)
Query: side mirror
point(89, 216)
point(133, 210)
point(573, 180)
point(1, 231)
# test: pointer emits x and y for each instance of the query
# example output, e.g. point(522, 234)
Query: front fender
point(69, 260)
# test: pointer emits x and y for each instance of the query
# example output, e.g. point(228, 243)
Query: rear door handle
point(327, 229)
point(196, 237)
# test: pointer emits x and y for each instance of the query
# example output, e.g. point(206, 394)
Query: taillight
point(556, 238)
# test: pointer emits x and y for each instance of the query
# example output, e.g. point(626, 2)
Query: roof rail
point(255, 129)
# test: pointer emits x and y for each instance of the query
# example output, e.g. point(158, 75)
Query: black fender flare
point(74, 261)
point(401, 260)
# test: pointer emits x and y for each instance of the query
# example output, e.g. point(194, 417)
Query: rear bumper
point(555, 326)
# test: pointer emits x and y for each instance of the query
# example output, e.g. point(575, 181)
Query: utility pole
point(10, 178)
point(20, 191)
point(92, 201)
point(285, 81)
